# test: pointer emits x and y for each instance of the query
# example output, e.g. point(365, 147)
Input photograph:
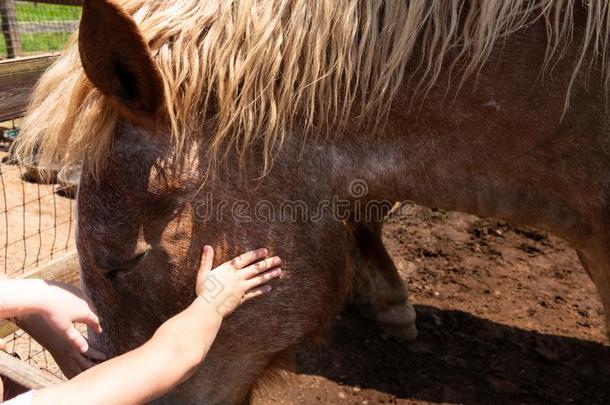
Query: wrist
point(188, 335)
point(204, 306)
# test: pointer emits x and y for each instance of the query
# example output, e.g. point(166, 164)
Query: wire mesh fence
point(36, 219)
point(33, 27)
point(32, 352)
point(37, 209)
point(37, 226)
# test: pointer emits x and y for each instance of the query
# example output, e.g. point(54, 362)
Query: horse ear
point(117, 59)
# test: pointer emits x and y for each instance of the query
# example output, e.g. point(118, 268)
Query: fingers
point(260, 267)
point(263, 278)
point(77, 340)
point(247, 258)
point(207, 258)
point(95, 354)
point(83, 363)
point(255, 292)
point(76, 362)
point(90, 319)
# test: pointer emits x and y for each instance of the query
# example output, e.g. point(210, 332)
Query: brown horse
point(196, 122)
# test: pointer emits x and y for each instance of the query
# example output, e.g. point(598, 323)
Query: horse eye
point(166, 205)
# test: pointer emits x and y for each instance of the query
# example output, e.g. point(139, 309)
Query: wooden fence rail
point(25, 375)
point(17, 78)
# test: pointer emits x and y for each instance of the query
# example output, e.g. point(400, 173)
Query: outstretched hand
point(70, 360)
point(65, 305)
point(236, 281)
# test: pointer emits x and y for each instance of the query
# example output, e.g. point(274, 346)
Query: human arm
point(47, 311)
point(60, 305)
point(178, 346)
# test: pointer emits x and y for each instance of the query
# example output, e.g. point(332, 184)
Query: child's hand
point(70, 360)
point(236, 281)
point(63, 305)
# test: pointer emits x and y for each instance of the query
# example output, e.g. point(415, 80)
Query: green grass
point(39, 12)
point(41, 42)
point(46, 12)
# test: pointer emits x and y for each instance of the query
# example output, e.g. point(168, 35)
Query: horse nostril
point(111, 265)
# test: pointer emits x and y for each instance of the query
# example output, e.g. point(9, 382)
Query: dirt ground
point(505, 315)
point(36, 224)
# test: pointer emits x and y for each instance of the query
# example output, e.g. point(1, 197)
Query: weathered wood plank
point(25, 374)
point(17, 78)
point(65, 269)
point(9, 67)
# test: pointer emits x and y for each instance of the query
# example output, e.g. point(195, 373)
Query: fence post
point(9, 28)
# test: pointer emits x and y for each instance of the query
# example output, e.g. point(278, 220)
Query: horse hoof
point(397, 322)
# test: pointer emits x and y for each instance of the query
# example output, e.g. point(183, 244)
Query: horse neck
point(489, 153)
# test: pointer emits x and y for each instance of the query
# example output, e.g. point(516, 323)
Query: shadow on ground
point(461, 358)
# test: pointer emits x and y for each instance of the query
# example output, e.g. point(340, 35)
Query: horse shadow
point(461, 358)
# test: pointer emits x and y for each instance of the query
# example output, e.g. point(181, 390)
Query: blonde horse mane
point(252, 70)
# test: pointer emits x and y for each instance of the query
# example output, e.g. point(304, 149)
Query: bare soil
point(506, 315)
point(36, 224)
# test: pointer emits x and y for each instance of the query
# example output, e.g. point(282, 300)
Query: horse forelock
point(252, 70)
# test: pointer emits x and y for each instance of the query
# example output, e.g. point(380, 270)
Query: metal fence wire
point(37, 207)
point(37, 226)
point(36, 215)
point(35, 27)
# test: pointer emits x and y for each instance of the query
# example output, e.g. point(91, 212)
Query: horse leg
point(596, 262)
point(378, 291)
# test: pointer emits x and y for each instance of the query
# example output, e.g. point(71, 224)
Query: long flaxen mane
point(252, 70)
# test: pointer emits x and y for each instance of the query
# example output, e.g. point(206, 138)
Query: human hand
point(62, 306)
point(71, 361)
point(235, 281)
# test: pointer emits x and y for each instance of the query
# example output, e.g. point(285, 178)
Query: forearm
point(21, 297)
point(168, 358)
